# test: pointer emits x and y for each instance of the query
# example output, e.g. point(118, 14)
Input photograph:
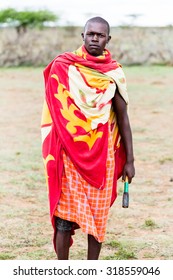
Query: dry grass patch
point(144, 230)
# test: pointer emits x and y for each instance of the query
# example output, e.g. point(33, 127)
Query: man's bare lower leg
point(63, 244)
point(94, 248)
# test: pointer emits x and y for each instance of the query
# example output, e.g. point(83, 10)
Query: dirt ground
point(145, 229)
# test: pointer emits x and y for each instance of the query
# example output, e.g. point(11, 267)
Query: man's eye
point(99, 35)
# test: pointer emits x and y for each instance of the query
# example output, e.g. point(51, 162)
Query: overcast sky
point(116, 12)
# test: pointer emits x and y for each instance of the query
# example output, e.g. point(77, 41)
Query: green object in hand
point(125, 201)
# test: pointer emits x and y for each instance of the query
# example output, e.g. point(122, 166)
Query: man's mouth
point(94, 46)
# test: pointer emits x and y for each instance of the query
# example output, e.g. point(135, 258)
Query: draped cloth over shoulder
point(77, 109)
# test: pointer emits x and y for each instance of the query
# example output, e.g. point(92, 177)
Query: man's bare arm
point(120, 108)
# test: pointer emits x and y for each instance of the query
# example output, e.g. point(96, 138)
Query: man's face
point(95, 37)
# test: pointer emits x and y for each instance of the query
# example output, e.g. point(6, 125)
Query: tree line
point(22, 20)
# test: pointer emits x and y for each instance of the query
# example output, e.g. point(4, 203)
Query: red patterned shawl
point(78, 93)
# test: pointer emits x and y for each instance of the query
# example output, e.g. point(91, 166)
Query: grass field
point(144, 230)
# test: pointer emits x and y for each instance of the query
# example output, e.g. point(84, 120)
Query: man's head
point(96, 35)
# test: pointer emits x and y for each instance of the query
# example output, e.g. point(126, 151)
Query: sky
point(116, 12)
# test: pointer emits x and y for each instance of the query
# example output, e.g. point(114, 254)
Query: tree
point(21, 20)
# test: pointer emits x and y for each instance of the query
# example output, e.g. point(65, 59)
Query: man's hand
point(128, 171)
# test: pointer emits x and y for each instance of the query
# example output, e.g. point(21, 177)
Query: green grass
point(6, 256)
point(123, 251)
point(150, 224)
point(114, 244)
point(166, 159)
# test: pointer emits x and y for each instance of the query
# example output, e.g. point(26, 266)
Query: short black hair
point(100, 20)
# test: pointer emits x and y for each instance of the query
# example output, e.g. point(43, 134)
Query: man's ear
point(109, 38)
point(82, 35)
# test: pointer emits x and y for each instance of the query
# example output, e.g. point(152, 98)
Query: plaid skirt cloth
point(84, 204)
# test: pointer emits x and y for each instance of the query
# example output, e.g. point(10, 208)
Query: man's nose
point(95, 37)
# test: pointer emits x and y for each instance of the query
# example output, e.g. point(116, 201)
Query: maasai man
point(87, 139)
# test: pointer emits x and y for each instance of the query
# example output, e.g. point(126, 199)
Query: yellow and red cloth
point(77, 113)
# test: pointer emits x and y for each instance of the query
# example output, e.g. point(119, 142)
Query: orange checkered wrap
point(84, 204)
